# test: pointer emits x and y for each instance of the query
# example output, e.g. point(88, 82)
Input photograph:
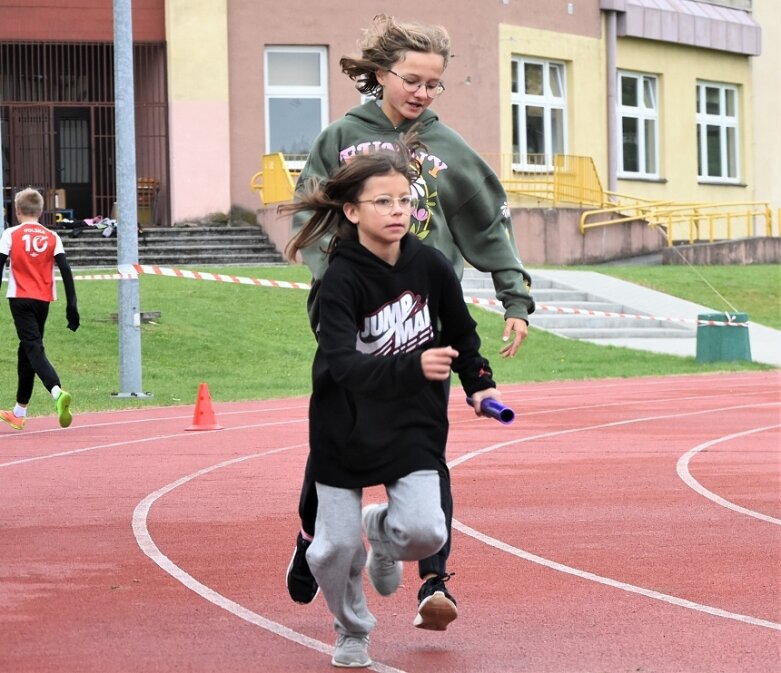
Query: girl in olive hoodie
point(393, 323)
point(462, 211)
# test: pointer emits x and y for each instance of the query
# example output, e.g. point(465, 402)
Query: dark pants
point(437, 564)
point(30, 318)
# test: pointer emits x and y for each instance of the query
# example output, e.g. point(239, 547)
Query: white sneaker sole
point(356, 664)
point(435, 612)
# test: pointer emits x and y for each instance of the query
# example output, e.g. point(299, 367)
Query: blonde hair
point(384, 43)
point(29, 202)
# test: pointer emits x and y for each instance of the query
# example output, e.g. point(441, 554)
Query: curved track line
point(583, 574)
point(474, 454)
point(682, 468)
point(144, 540)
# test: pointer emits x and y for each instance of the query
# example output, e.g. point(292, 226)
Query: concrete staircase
point(174, 246)
point(551, 295)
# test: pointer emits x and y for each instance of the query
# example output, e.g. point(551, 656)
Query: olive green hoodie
point(462, 207)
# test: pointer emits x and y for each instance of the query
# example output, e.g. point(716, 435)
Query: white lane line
point(147, 419)
point(583, 574)
point(142, 440)
point(683, 472)
point(630, 421)
point(148, 546)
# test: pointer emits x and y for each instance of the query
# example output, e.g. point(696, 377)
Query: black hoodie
point(374, 417)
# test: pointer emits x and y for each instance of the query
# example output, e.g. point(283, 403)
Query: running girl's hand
point(480, 395)
point(517, 329)
point(435, 362)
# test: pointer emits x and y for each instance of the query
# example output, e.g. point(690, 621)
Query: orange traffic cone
point(203, 418)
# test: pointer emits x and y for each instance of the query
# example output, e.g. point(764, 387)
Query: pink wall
point(199, 141)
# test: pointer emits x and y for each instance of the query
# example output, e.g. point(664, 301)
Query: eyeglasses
point(384, 204)
point(432, 90)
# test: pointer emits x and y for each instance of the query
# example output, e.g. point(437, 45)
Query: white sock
point(20, 412)
point(56, 390)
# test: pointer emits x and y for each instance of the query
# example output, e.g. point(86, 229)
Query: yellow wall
point(199, 107)
point(586, 88)
point(678, 68)
point(767, 107)
point(197, 36)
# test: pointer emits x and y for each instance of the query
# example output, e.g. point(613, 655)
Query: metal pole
point(612, 131)
point(2, 183)
point(129, 312)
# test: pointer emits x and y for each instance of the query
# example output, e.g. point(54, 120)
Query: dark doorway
point(58, 124)
point(72, 161)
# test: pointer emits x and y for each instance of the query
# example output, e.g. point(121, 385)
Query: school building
point(670, 100)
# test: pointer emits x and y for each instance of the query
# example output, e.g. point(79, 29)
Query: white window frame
point(295, 162)
point(644, 115)
point(520, 100)
point(725, 123)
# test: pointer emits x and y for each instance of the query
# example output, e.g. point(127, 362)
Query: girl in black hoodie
point(393, 323)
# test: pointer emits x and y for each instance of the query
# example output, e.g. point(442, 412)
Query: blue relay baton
point(495, 409)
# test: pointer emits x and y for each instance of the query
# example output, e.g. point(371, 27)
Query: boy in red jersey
point(34, 250)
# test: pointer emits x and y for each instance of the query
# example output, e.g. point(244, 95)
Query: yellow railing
point(573, 180)
point(713, 221)
point(689, 221)
point(276, 183)
point(568, 179)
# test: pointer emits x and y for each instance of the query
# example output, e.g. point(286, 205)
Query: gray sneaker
point(351, 652)
point(384, 572)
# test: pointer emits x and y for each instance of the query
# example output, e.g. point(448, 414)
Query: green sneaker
point(62, 404)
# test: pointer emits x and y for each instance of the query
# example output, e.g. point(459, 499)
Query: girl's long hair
point(384, 43)
point(325, 200)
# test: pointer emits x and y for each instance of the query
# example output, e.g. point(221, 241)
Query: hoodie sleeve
point(482, 229)
point(459, 330)
point(323, 159)
point(382, 377)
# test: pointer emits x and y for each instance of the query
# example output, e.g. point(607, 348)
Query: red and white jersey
point(31, 248)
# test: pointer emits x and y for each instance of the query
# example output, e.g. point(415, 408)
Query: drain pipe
point(611, 31)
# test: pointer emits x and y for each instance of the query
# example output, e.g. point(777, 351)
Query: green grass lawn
point(755, 290)
point(250, 342)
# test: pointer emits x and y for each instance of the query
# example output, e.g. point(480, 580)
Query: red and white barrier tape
point(479, 301)
point(134, 270)
point(97, 276)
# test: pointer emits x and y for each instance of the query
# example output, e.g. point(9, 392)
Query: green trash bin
point(721, 342)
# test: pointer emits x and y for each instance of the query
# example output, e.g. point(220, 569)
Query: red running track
point(616, 526)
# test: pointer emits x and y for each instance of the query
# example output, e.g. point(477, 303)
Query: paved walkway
point(765, 342)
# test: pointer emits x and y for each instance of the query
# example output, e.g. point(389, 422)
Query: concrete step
point(623, 333)
point(554, 295)
point(168, 246)
point(561, 321)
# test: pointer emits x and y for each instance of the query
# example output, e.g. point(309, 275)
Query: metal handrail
point(667, 214)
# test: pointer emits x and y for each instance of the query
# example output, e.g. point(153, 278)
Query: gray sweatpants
point(414, 528)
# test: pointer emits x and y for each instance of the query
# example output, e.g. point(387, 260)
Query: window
point(296, 100)
point(638, 125)
point(539, 113)
point(717, 132)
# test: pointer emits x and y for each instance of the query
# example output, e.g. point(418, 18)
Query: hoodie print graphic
point(399, 326)
point(432, 165)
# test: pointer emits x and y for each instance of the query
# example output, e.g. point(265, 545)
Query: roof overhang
point(689, 22)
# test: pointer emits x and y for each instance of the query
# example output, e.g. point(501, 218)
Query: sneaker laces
point(440, 579)
point(434, 584)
